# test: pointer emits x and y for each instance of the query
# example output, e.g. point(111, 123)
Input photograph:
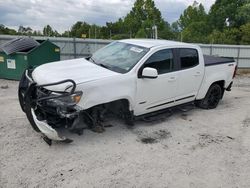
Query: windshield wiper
point(104, 66)
point(100, 64)
point(91, 59)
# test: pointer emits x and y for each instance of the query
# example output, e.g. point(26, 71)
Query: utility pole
point(155, 32)
point(154, 28)
point(95, 32)
point(95, 38)
point(89, 33)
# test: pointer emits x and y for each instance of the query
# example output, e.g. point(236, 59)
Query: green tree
point(245, 29)
point(37, 33)
point(141, 34)
point(48, 31)
point(143, 16)
point(66, 34)
point(193, 24)
point(7, 31)
point(90, 31)
point(228, 36)
point(80, 28)
point(195, 33)
point(24, 30)
point(225, 13)
point(176, 31)
point(192, 14)
point(166, 32)
point(243, 16)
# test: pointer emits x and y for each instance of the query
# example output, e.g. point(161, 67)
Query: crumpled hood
point(79, 70)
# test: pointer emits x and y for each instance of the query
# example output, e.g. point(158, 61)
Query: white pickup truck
point(129, 78)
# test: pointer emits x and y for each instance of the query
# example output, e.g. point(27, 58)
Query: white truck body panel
point(216, 73)
point(100, 85)
point(80, 70)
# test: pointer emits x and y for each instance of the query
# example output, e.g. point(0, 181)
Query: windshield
point(119, 57)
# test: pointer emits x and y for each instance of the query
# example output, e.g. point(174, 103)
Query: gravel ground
point(194, 148)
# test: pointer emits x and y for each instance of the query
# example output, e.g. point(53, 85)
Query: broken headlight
point(70, 100)
point(75, 98)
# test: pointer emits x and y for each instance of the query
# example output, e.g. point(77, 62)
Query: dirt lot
point(197, 148)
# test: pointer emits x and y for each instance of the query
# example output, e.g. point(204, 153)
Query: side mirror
point(149, 73)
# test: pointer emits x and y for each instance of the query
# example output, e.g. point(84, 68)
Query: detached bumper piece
point(48, 131)
point(49, 110)
point(229, 87)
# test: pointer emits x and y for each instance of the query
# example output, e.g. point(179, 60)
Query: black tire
point(212, 98)
point(22, 88)
point(25, 101)
point(129, 118)
point(31, 119)
point(21, 93)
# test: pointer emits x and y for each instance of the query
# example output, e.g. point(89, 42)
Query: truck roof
point(149, 43)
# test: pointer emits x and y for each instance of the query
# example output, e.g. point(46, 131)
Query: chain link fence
point(75, 48)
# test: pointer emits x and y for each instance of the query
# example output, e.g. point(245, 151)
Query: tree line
point(227, 22)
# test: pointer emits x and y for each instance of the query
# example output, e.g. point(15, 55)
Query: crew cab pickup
point(129, 78)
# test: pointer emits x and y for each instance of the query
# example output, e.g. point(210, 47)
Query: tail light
point(235, 70)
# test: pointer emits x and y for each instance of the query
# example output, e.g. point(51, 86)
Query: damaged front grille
point(56, 107)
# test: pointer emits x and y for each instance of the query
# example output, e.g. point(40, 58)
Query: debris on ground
point(5, 87)
point(154, 137)
point(184, 116)
point(207, 139)
point(246, 122)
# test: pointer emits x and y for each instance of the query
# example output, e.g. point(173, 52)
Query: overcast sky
point(62, 14)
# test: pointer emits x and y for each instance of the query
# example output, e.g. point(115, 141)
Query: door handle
point(197, 73)
point(172, 79)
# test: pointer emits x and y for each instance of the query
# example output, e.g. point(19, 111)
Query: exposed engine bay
point(49, 110)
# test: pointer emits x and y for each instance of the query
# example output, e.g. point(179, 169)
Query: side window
point(188, 58)
point(162, 61)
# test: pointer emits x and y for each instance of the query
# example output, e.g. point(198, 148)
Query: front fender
point(105, 91)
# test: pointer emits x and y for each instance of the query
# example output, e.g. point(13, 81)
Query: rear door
point(191, 73)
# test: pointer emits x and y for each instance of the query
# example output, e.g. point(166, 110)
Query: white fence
point(241, 53)
point(70, 47)
point(75, 48)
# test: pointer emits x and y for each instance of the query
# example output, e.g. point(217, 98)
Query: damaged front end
point(48, 110)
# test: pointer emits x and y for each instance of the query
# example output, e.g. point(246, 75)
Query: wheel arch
point(221, 83)
point(124, 102)
point(204, 89)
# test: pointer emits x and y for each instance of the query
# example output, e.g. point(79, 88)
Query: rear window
point(188, 58)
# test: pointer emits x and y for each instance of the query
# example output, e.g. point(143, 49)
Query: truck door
point(158, 93)
point(191, 73)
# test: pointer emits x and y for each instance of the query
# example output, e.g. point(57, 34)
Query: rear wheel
point(212, 98)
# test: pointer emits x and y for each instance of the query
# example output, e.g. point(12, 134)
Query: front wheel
point(24, 93)
point(129, 118)
point(22, 88)
point(31, 118)
point(212, 98)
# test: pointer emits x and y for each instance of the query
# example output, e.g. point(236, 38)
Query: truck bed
point(213, 60)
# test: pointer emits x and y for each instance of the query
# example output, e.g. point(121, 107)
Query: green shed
point(22, 53)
